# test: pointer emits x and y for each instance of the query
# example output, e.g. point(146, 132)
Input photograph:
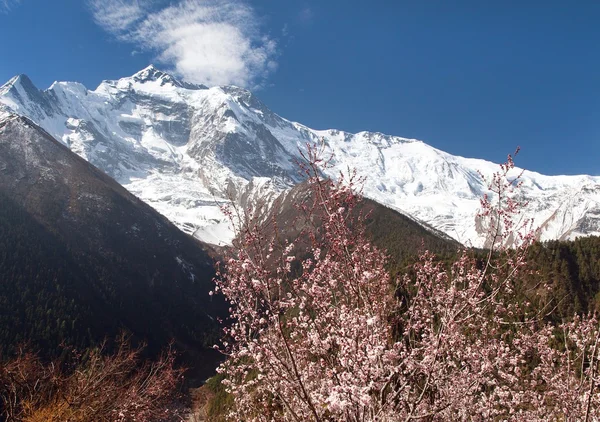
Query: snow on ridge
point(5, 114)
point(187, 150)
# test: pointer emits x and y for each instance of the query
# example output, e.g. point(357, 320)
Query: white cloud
point(215, 42)
point(6, 5)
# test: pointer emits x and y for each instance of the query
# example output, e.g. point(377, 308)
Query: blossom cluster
point(319, 331)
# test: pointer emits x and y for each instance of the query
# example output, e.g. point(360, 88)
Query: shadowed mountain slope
point(399, 235)
point(82, 258)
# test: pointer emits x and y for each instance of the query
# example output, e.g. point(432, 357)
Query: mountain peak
point(153, 74)
point(21, 80)
point(180, 149)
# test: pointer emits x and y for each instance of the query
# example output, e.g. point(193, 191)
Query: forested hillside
point(571, 271)
point(82, 259)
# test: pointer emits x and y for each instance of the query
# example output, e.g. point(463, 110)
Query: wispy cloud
point(306, 15)
point(215, 42)
point(7, 5)
point(116, 16)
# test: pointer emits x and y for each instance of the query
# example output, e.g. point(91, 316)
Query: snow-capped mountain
point(187, 149)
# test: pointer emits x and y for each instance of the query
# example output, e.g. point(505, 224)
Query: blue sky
point(473, 78)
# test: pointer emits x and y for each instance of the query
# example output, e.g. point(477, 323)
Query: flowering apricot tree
point(321, 333)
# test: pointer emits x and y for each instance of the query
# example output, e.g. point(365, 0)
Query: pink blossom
point(335, 343)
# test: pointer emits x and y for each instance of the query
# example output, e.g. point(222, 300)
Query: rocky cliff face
point(188, 149)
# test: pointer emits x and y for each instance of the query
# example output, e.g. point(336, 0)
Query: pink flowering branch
point(318, 334)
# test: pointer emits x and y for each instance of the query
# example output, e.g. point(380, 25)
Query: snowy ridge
point(188, 149)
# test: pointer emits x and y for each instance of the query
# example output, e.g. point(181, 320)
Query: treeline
point(562, 275)
point(565, 275)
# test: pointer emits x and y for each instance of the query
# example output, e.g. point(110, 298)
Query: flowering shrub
point(321, 333)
